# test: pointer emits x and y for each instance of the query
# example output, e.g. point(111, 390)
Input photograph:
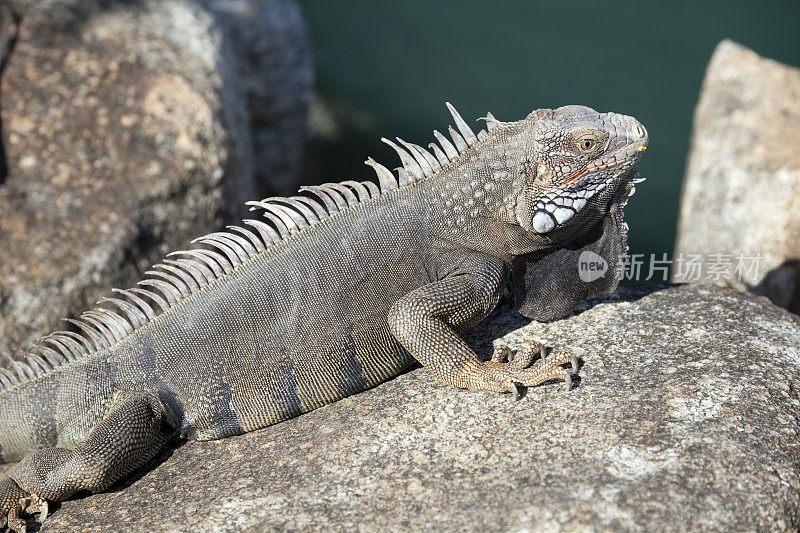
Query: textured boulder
point(685, 418)
point(127, 131)
point(271, 55)
point(741, 193)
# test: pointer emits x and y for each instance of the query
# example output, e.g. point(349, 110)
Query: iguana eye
point(587, 144)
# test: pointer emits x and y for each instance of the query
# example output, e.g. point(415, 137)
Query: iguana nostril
point(640, 131)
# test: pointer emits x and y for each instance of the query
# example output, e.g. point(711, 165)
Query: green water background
point(389, 66)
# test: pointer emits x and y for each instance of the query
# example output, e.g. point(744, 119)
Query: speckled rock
point(741, 193)
point(686, 418)
point(127, 130)
point(274, 68)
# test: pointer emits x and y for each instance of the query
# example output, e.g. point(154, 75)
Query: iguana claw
point(514, 390)
point(511, 372)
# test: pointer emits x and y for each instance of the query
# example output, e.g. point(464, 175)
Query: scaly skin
point(333, 296)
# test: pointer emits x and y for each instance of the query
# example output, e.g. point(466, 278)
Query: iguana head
point(575, 154)
point(579, 169)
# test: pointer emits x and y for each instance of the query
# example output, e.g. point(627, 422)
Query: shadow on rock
point(782, 286)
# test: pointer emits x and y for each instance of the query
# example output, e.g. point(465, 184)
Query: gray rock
point(128, 131)
point(273, 65)
point(685, 418)
point(741, 193)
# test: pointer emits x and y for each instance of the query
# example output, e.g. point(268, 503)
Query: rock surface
point(127, 131)
point(741, 193)
point(686, 417)
point(270, 58)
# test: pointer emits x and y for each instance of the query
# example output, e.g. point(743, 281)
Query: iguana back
point(288, 330)
point(335, 291)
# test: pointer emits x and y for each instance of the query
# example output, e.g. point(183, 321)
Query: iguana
point(335, 290)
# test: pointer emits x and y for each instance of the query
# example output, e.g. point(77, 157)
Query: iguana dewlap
point(327, 294)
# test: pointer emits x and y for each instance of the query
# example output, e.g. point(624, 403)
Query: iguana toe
point(505, 376)
point(501, 353)
point(35, 504)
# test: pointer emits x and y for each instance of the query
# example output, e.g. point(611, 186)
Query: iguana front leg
point(423, 322)
point(126, 438)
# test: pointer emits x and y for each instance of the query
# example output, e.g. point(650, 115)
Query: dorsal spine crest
point(185, 272)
